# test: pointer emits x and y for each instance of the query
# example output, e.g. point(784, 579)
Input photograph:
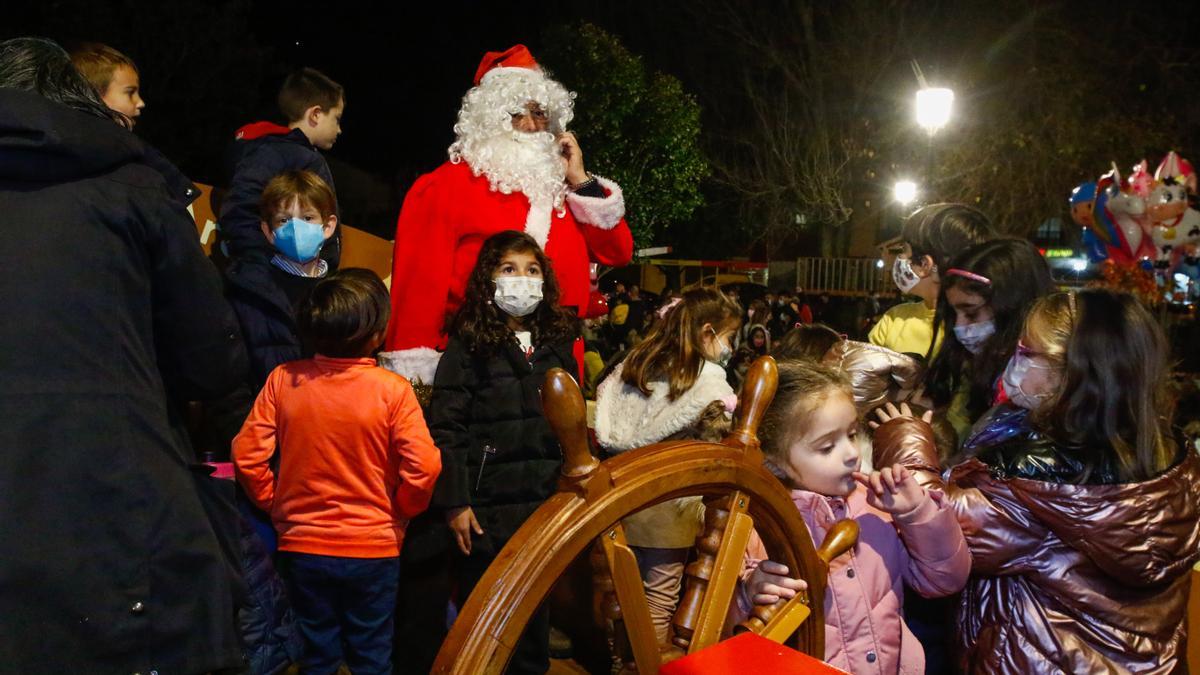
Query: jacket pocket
point(488, 452)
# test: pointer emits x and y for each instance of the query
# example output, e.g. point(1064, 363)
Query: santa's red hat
point(516, 56)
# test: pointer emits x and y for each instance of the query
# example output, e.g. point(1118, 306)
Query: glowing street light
point(905, 192)
point(933, 108)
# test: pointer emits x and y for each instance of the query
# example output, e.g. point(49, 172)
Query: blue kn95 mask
point(299, 239)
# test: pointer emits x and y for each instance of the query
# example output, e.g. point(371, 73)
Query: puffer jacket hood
point(1100, 567)
point(41, 140)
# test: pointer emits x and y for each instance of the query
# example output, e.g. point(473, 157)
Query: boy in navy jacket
point(312, 104)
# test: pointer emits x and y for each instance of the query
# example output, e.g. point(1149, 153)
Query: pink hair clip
point(662, 311)
point(954, 272)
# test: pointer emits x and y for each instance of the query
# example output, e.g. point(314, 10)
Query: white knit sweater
point(627, 419)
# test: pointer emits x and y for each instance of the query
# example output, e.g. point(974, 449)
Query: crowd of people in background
point(264, 458)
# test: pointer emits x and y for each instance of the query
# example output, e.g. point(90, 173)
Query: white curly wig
point(514, 161)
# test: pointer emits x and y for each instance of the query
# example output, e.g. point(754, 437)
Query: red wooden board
point(747, 653)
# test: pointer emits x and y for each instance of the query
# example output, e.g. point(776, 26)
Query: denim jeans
point(345, 609)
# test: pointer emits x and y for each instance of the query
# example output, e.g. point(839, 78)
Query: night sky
point(209, 67)
point(404, 74)
point(404, 70)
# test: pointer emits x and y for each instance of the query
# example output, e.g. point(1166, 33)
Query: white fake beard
point(517, 161)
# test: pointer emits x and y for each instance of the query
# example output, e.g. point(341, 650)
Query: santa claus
point(513, 166)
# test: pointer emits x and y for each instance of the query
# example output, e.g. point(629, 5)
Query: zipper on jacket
point(488, 451)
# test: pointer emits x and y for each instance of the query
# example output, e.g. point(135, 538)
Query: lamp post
point(933, 112)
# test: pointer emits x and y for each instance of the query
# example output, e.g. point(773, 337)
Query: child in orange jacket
point(356, 462)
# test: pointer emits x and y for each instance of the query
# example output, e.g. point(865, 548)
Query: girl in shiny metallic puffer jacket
point(1081, 510)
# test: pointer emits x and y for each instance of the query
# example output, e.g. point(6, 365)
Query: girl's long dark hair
point(1113, 398)
point(673, 349)
point(482, 327)
point(41, 66)
point(1019, 276)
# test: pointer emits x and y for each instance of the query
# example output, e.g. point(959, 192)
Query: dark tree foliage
point(636, 126)
point(810, 106)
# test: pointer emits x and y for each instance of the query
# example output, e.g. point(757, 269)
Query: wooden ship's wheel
point(593, 497)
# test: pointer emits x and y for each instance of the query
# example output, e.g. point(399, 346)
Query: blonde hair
point(804, 386)
point(97, 62)
point(673, 349)
point(1051, 321)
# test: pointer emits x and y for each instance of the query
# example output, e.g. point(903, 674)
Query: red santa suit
point(449, 213)
point(445, 219)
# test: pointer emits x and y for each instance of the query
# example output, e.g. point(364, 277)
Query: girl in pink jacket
point(906, 535)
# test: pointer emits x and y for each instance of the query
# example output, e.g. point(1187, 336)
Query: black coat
point(108, 563)
point(495, 402)
point(267, 317)
point(266, 314)
point(269, 630)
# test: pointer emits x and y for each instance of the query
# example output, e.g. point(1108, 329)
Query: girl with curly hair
point(501, 460)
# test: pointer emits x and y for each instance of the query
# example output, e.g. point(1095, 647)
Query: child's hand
point(769, 584)
point(892, 489)
point(462, 522)
point(888, 412)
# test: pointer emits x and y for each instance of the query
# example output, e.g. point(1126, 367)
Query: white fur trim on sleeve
point(602, 212)
point(418, 364)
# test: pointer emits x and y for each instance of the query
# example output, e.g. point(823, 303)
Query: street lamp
point(905, 192)
point(933, 108)
point(933, 112)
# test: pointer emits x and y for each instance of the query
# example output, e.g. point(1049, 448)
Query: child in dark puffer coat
point(500, 458)
point(312, 104)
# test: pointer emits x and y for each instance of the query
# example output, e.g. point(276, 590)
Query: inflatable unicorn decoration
point(1148, 219)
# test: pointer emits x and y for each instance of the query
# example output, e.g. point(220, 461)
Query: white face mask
point(1014, 374)
point(904, 276)
point(724, 353)
point(518, 296)
point(973, 336)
